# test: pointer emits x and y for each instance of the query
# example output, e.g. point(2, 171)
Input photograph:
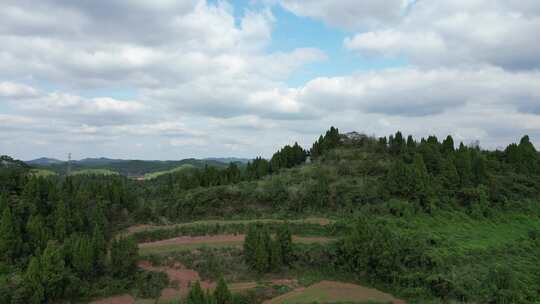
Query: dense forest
point(59, 234)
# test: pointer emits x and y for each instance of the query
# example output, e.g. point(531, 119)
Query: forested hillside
point(428, 220)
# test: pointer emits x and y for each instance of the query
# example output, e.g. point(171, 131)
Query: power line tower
point(69, 164)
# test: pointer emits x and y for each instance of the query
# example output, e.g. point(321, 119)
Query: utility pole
point(69, 164)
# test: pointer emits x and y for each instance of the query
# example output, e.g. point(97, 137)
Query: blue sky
point(199, 79)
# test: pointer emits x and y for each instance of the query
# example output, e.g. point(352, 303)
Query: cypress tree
point(61, 225)
point(222, 295)
point(124, 255)
point(38, 234)
point(250, 245)
point(196, 294)
point(33, 282)
point(448, 145)
point(99, 247)
point(82, 256)
point(53, 270)
point(3, 202)
point(10, 237)
point(284, 239)
point(261, 257)
point(276, 256)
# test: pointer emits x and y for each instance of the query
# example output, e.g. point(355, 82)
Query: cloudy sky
point(170, 79)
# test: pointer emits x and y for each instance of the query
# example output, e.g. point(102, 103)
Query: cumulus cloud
point(465, 33)
point(421, 92)
point(350, 14)
point(204, 83)
point(13, 90)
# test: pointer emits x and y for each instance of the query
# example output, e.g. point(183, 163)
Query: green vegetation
point(423, 220)
point(153, 175)
point(42, 172)
point(94, 172)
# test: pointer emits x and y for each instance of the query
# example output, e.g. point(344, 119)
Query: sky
point(172, 79)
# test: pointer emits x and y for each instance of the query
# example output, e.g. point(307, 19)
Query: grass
point(153, 175)
point(42, 172)
point(333, 292)
point(169, 248)
point(94, 172)
point(310, 220)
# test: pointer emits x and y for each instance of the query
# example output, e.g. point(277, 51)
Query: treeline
point(434, 173)
point(209, 176)
point(263, 253)
point(56, 236)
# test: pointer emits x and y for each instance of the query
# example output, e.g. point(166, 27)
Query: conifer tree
point(53, 270)
point(61, 225)
point(222, 295)
point(10, 237)
point(82, 256)
point(284, 239)
point(448, 145)
point(250, 245)
point(463, 166)
point(276, 256)
point(124, 255)
point(3, 201)
point(100, 250)
point(196, 294)
point(38, 234)
point(261, 257)
point(33, 282)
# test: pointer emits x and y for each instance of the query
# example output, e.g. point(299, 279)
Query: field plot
point(190, 243)
point(334, 292)
point(309, 220)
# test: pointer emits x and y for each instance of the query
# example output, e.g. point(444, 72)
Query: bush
point(150, 283)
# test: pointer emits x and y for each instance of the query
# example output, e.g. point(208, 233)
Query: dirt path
point(185, 277)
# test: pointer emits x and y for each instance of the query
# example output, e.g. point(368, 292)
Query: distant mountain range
point(132, 168)
point(46, 161)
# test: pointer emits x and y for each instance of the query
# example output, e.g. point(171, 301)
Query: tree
point(124, 255)
point(99, 247)
point(82, 255)
point(276, 256)
point(53, 270)
point(3, 202)
point(222, 294)
point(37, 233)
point(61, 225)
point(284, 239)
point(33, 282)
point(250, 245)
point(10, 237)
point(463, 166)
point(261, 258)
point(448, 145)
point(196, 295)
point(421, 185)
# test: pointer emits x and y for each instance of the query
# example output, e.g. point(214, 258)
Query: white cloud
point(350, 14)
point(13, 90)
point(465, 33)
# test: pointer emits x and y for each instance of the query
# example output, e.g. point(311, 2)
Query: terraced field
point(191, 243)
